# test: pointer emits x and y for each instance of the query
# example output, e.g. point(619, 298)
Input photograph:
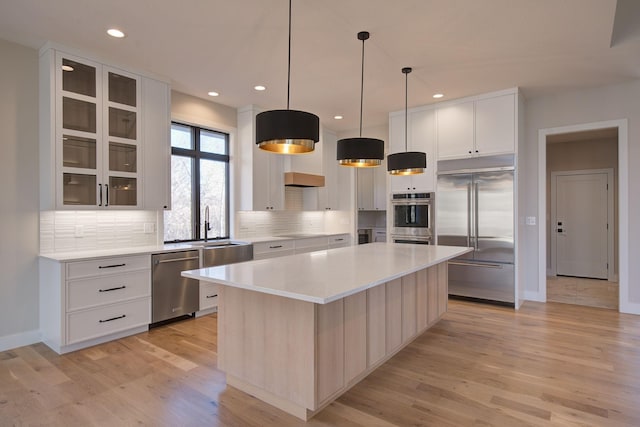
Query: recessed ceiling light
point(438, 95)
point(114, 32)
point(67, 68)
point(212, 93)
point(260, 87)
point(337, 117)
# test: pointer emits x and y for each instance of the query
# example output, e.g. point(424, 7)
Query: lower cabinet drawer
point(94, 323)
point(306, 249)
point(208, 295)
point(105, 266)
point(273, 254)
point(85, 293)
point(311, 244)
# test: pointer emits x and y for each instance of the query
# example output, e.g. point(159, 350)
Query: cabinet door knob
point(469, 151)
point(476, 151)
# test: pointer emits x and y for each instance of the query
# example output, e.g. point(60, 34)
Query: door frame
point(625, 306)
point(610, 216)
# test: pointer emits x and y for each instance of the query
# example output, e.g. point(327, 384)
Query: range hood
point(298, 179)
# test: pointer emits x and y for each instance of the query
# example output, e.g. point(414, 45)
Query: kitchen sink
point(301, 235)
point(217, 244)
point(228, 252)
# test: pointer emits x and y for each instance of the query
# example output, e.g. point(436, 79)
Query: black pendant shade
point(287, 131)
point(360, 152)
point(408, 162)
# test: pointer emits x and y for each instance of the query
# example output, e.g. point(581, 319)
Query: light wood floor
point(581, 291)
point(548, 364)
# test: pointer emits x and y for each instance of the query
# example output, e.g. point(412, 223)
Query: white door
point(581, 225)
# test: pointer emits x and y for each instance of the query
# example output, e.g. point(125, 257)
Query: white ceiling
point(458, 47)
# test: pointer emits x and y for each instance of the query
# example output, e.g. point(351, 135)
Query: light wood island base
point(299, 356)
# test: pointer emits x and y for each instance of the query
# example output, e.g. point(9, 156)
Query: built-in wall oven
point(413, 217)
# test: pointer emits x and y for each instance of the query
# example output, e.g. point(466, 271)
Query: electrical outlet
point(531, 220)
point(149, 227)
point(79, 231)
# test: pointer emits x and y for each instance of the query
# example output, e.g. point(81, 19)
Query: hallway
point(581, 291)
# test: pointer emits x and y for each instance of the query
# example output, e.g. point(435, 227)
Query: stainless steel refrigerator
point(476, 209)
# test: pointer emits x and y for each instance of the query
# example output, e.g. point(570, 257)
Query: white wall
point(572, 108)
point(19, 195)
point(202, 112)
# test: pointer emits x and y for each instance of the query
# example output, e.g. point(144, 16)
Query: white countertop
point(83, 255)
point(325, 276)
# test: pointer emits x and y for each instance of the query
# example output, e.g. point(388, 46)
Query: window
point(199, 179)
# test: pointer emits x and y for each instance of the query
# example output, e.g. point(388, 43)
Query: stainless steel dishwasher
point(171, 294)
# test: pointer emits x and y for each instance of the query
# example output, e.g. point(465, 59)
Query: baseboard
point(630, 307)
point(533, 296)
point(207, 311)
point(19, 340)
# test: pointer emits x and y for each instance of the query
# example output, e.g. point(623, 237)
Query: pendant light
point(360, 152)
point(287, 131)
point(409, 162)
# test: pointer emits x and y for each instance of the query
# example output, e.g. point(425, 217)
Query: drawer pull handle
point(339, 240)
point(113, 318)
point(211, 296)
point(164, 261)
point(111, 289)
point(111, 266)
point(275, 247)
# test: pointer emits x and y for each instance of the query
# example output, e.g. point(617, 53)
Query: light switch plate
point(531, 220)
point(149, 227)
point(79, 231)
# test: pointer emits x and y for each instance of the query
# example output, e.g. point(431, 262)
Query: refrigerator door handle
point(469, 214)
point(475, 214)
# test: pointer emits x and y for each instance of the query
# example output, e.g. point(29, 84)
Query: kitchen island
point(300, 330)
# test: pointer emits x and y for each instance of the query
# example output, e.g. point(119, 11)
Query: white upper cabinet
point(372, 188)
point(420, 137)
point(268, 180)
point(455, 131)
point(474, 128)
point(92, 131)
point(335, 193)
point(380, 186)
point(365, 188)
point(260, 177)
point(495, 125)
point(156, 133)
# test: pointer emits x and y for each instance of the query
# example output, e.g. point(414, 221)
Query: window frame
point(195, 155)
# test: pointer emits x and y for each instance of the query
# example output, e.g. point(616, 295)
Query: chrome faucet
point(207, 224)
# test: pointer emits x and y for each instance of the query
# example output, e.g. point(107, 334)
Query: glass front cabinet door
point(97, 135)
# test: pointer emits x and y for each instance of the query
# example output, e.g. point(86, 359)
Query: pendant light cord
point(406, 71)
point(289, 59)
point(406, 109)
point(362, 87)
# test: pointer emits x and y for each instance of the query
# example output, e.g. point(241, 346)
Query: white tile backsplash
point(99, 230)
point(264, 223)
